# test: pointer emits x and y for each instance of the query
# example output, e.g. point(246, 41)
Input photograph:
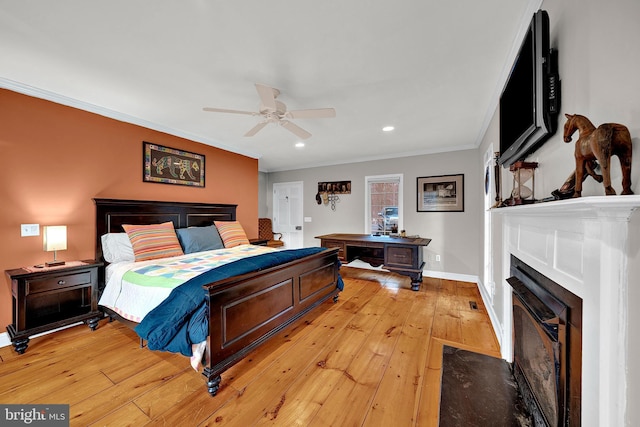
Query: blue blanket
point(182, 318)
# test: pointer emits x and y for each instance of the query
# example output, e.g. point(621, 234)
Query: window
point(383, 204)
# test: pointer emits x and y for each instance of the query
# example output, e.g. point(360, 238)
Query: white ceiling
point(433, 69)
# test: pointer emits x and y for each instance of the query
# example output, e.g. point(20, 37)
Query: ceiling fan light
point(388, 128)
point(274, 111)
point(300, 144)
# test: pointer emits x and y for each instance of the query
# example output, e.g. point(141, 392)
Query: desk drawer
point(335, 244)
point(58, 282)
point(401, 256)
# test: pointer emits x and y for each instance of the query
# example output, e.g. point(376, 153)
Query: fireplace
point(590, 246)
point(547, 346)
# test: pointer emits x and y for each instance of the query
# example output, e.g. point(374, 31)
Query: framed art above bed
point(172, 166)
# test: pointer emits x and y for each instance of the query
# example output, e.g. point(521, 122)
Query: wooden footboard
point(245, 311)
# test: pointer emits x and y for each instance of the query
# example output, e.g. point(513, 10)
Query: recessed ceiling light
point(388, 128)
point(300, 144)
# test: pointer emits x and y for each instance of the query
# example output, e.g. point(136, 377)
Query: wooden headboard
point(112, 213)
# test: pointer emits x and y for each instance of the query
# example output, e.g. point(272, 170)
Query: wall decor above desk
point(443, 193)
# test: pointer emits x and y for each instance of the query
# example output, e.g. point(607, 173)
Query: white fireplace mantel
point(582, 244)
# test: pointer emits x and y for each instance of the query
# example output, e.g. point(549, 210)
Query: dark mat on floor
point(478, 390)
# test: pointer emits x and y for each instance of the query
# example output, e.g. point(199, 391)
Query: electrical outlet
point(27, 230)
point(437, 258)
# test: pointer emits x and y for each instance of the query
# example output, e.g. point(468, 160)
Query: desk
point(401, 255)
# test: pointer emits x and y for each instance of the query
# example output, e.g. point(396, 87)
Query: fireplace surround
point(591, 246)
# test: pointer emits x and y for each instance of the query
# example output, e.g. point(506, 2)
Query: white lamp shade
point(55, 238)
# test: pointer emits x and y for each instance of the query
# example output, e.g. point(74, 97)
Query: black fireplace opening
point(547, 346)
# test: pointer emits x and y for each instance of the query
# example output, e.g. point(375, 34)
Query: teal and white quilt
point(135, 288)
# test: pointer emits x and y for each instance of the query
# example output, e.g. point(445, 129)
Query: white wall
point(456, 236)
point(263, 208)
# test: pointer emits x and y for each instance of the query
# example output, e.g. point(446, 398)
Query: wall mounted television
point(530, 100)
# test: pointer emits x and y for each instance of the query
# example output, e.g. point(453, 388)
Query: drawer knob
point(61, 282)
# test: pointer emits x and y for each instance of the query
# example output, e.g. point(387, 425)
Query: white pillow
point(116, 247)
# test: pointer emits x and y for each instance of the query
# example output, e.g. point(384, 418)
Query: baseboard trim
point(6, 341)
point(495, 323)
point(450, 276)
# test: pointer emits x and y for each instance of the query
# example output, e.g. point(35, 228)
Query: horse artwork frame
point(599, 144)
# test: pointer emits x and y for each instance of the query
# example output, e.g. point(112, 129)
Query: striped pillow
point(153, 241)
point(231, 233)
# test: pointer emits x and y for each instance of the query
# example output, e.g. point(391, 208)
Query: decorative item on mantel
point(497, 179)
point(567, 189)
point(523, 172)
point(599, 144)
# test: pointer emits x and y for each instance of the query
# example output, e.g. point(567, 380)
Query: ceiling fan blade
point(256, 129)
point(295, 129)
point(267, 96)
point(224, 110)
point(316, 113)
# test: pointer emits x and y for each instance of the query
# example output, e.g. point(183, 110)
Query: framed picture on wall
point(171, 166)
point(336, 187)
point(443, 193)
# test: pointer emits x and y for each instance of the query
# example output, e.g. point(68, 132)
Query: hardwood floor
point(373, 358)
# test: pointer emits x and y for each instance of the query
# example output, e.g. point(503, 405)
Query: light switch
point(27, 230)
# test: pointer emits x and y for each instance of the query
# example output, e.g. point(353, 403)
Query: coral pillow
point(153, 241)
point(232, 233)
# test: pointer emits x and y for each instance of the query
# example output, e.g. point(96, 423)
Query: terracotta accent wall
point(56, 159)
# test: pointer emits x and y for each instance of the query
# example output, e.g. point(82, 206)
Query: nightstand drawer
point(58, 282)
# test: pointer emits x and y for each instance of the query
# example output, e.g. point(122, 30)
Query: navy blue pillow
point(198, 239)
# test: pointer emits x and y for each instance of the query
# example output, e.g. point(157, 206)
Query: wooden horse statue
point(599, 144)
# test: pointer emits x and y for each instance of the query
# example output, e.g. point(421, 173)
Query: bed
point(244, 311)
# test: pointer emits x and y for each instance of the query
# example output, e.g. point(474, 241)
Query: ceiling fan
point(274, 111)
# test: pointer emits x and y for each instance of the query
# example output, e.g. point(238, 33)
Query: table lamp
point(55, 239)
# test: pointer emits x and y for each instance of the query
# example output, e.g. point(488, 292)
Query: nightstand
point(51, 297)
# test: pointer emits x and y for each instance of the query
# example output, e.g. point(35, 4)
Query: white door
point(287, 213)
